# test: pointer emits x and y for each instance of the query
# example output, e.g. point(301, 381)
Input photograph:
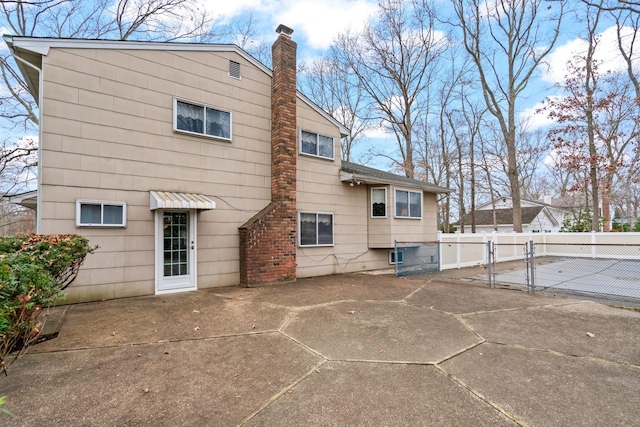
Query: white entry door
point(175, 251)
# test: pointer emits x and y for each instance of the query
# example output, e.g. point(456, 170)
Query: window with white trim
point(379, 202)
point(315, 229)
point(314, 144)
point(202, 120)
point(396, 256)
point(92, 213)
point(408, 204)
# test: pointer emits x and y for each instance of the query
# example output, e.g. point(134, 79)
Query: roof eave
point(42, 46)
point(369, 179)
point(344, 131)
point(28, 199)
point(32, 85)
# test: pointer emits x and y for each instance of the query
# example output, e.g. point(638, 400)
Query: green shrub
point(34, 270)
point(579, 222)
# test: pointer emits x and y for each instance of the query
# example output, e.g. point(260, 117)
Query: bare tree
point(17, 163)
point(394, 58)
point(627, 43)
point(165, 20)
point(578, 113)
point(331, 85)
point(507, 41)
point(615, 5)
point(244, 31)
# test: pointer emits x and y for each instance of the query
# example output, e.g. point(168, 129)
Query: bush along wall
point(34, 271)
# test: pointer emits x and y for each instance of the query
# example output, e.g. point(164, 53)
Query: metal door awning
point(171, 200)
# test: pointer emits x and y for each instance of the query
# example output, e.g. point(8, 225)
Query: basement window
point(201, 120)
point(92, 213)
point(315, 229)
point(396, 257)
point(314, 144)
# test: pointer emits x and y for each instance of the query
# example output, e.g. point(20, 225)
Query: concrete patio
point(358, 350)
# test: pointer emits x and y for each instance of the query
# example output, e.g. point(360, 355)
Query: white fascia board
point(343, 129)
point(549, 215)
point(43, 45)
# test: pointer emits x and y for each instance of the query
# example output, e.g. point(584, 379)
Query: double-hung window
point(408, 204)
point(91, 213)
point(315, 229)
point(317, 145)
point(201, 120)
point(379, 202)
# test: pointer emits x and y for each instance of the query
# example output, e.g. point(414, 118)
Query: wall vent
point(234, 69)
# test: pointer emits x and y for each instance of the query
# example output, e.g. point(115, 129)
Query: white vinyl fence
point(466, 250)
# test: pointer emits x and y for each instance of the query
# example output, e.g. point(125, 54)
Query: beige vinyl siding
point(319, 190)
point(383, 231)
point(108, 135)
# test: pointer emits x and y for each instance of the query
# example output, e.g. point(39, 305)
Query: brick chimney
point(268, 240)
point(283, 117)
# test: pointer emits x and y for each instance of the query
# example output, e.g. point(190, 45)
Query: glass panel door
point(175, 250)
point(176, 243)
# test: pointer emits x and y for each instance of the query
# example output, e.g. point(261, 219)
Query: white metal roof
point(171, 200)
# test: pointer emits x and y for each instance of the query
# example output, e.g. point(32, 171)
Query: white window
point(408, 204)
point(91, 213)
point(379, 202)
point(315, 229)
point(396, 257)
point(201, 120)
point(315, 144)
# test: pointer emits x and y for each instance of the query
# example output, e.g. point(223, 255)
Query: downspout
point(40, 99)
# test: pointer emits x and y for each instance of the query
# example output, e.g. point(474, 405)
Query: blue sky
point(317, 22)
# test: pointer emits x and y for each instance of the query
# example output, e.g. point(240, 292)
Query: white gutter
point(40, 98)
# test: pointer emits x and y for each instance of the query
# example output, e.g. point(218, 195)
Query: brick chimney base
point(267, 249)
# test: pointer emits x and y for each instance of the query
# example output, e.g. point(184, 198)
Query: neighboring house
point(537, 217)
point(195, 166)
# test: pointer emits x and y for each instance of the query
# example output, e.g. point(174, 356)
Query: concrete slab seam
point(557, 353)
point(480, 396)
point(282, 392)
point(384, 362)
point(303, 345)
point(324, 304)
point(412, 293)
point(502, 310)
point(464, 350)
point(468, 326)
point(289, 318)
point(507, 310)
point(135, 344)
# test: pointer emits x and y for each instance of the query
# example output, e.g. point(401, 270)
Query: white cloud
point(227, 9)
point(607, 54)
point(377, 132)
point(319, 21)
point(535, 119)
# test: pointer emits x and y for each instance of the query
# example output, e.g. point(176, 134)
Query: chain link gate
point(528, 256)
point(416, 257)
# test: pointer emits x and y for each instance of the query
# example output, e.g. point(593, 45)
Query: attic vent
point(234, 69)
